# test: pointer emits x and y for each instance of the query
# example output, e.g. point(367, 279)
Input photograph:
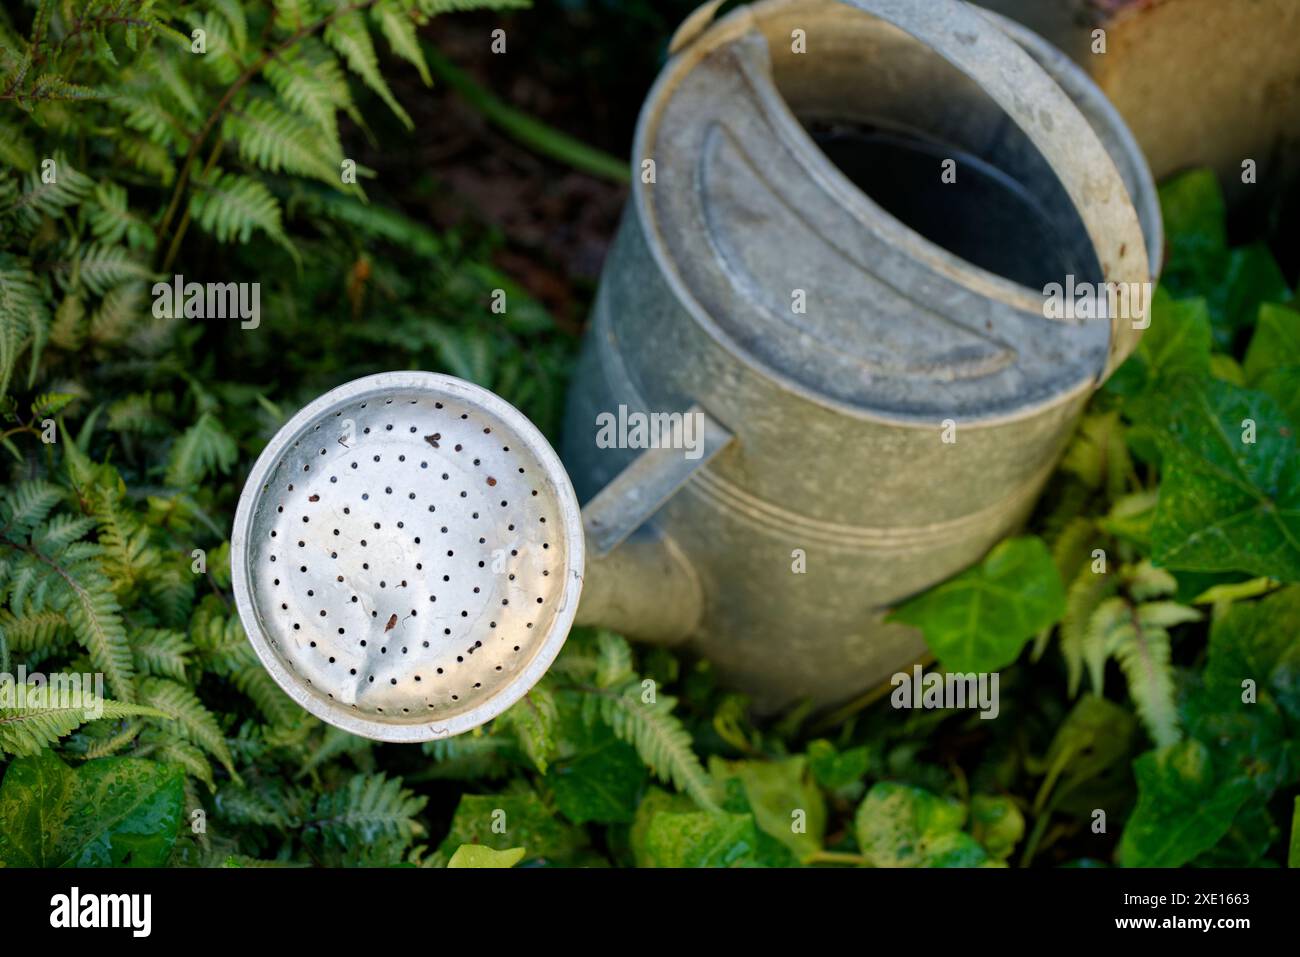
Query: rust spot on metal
point(392, 623)
point(313, 498)
point(491, 480)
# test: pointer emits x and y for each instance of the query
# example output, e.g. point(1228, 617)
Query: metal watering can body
point(907, 417)
point(858, 408)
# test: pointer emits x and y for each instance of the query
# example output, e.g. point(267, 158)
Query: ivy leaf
point(601, 781)
point(1183, 806)
point(532, 720)
point(902, 826)
point(669, 833)
point(1253, 737)
point(509, 820)
point(1251, 278)
point(1247, 841)
point(112, 812)
point(834, 769)
point(996, 822)
point(1194, 215)
point(1273, 359)
point(980, 620)
point(1293, 854)
point(786, 804)
point(1177, 344)
point(475, 855)
point(1259, 641)
point(1226, 504)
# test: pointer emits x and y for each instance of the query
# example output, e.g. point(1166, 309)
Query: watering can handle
point(653, 477)
point(971, 41)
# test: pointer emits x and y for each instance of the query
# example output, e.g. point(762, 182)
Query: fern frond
point(398, 22)
point(310, 81)
point(25, 731)
point(139, 413)
point(188, 756)
point(162, 653)
point(369, 809)
point(230, 207)
point(118, 316)
point(614, 661)
point(202, 449)
point(123, 538)
point(1138, 638)
point(27, 506)
point(660, 739)
point(51, 403)
point(60, 532)
point(24, 318)
point(37, 631)
point(66, 187)
point(102, 267)
point(470, 757)
point(533, 720)
point(334, 743)
point(278, 141)
point(68, 330)
point(96, 620)
point(1085, 595)
point(148, 157)
point(348, 35)
point(111, 220)
point(194, 722)
point(15, 149)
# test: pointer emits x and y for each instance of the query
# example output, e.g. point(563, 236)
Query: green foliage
point(110, 812)
point(981, 619)
point(475, 855)
point(114, 555)
point(902, 826)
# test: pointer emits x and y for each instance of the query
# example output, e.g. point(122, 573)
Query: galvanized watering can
point(819, 378)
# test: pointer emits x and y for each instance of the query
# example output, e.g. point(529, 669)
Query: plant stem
point(243, 79)
point(835, 857)
point(531, 132)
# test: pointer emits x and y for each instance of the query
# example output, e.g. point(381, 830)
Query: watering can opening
point(926, 144)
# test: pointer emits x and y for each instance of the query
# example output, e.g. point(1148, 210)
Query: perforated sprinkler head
point(407, 556)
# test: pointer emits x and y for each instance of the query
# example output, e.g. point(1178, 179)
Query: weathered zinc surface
point(894, 409)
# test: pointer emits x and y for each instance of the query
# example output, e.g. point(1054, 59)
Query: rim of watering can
point(706, 38)
point(559, 487)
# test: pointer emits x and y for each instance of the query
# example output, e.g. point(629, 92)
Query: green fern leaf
point(37, 631)
point(371, 808)
point(614, 662)
point(28, 506)
point(162, 653)
point(102, 267)
point(398, 22)
point(230, 207)
point(309, 80)
point(194, 722)
point(348, 35)
point(278, 141)
point(27, 730)
point(660, 739)
point(188, 756)
point(203, 449)
point(67, 187)
point(533, 720)
point(24, 318)
point(96, 620)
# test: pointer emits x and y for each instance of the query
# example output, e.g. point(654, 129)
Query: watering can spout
point(637, 581)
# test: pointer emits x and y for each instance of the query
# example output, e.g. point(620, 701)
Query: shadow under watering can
point(799, 291)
